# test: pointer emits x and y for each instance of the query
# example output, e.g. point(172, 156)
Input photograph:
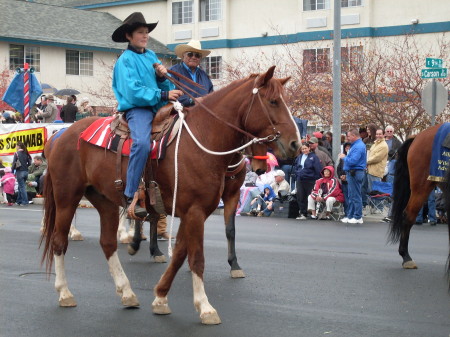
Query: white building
point(74, 41)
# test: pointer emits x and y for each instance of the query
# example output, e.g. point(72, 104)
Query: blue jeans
point(22, 198)
point(344, 188)
point(364, 189)
point(140, 124)
point(431, 209)
point(354, 194)
point(289, 175)
point(370, 180)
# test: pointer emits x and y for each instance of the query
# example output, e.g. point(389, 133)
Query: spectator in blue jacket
point(307, 169)
point(354, 165)
point(140, 89)
point(191, 55)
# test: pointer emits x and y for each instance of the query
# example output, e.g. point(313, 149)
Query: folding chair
point(337, 212)
point(379, 198)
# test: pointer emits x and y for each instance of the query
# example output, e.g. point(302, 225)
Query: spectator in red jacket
point(326, 189)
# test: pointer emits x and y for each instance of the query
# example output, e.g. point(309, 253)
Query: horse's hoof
point(239, 273)
point(131, 250)
point(125, 240)
point(409, 265)
point(210, 318)
point(77, 237)
point(131, 301)
point(160, 306)
point(160, 259)
point(67, 302)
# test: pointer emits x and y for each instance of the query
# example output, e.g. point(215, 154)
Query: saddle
point(113, 134)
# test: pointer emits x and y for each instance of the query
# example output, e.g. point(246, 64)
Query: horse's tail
point(446, 196)
point(49, 222)
point(401, 191)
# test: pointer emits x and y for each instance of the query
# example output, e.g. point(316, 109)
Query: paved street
point(310, 278)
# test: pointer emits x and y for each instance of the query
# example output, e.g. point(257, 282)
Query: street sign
point(434, 73)
point(434, 98)
point(433, 63)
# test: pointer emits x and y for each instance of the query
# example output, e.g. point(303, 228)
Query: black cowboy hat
point(132, 22)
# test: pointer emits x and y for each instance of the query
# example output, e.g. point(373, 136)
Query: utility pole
point(337, 80)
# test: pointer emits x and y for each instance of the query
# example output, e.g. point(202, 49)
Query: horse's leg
point(189, 242)
point(196, 259)
point(134, 245)
point(122, 230)
point(230, 199)
point(109, 221)
point(64, 216)
point(158, 256)
point(160, 304)
point(419, 194)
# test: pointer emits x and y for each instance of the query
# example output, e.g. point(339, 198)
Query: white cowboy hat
point(194, 46)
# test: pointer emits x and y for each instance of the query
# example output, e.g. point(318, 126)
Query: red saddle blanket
point(99, 133)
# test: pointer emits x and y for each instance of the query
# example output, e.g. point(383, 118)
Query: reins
point(255, 91)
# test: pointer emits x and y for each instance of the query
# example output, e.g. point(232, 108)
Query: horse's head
point(268, 116)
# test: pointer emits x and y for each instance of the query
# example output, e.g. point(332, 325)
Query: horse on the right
point(413, 183)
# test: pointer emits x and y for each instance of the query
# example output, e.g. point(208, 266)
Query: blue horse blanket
point(440, 157)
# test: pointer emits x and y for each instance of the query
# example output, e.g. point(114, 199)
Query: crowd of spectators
point(318, 182)
point(24, 180)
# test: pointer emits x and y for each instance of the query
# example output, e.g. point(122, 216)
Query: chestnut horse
point(411, 190)
point(253, 107)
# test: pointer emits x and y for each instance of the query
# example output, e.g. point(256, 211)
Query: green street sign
point(433, 63)
point(434, 73)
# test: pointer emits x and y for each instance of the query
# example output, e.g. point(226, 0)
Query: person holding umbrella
point(140, 89)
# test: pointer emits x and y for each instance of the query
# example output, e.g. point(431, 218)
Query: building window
point(212, 66)
point(19, 55)
point(351, 58)
point(316, 60)
point(182, 12)
point(350, 3)
point(314, 5)
point(210, 10)
point(79, 63)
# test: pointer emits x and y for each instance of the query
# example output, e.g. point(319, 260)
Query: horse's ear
point(283, 81)
point(265, 77)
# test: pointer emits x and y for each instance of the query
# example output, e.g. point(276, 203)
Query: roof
point(63, 27)
point(91, 3)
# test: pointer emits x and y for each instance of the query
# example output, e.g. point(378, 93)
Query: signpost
point(434, 95)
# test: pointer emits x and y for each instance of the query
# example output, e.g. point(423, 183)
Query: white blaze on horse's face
point(292, 119)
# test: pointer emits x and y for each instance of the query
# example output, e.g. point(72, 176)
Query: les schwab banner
point(34, 136)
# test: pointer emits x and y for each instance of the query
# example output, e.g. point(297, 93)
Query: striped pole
point(26, 94)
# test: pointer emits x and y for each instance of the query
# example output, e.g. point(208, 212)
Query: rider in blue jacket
point(141, 89)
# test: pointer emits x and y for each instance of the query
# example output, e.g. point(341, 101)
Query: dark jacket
point(311, 168)
point(68, 113)
point(202, 79)
point(25, 161)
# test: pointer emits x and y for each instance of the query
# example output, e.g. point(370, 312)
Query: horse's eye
point(273, 102)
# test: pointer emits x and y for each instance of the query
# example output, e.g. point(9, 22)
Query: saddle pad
point(99, 133)
point(440, 156)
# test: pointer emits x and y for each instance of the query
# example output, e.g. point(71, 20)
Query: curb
point(83, 202)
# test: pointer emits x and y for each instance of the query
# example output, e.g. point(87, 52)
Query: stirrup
point(135, 211)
